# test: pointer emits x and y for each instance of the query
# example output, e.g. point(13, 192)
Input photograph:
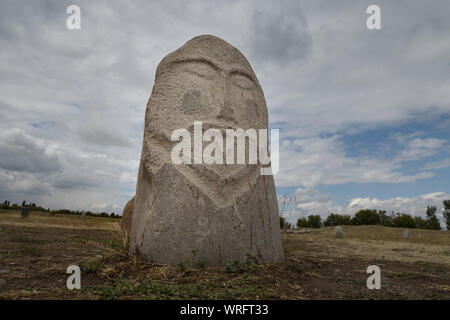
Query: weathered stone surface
point(4, 271)
point(203, 213)
point(338, 232)
point(125, 222)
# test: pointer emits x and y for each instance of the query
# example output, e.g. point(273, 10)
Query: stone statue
point(208, 213)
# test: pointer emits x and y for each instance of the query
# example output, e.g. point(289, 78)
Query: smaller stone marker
point(83, 216)
point(406, 233)
point(125, 222)
point(25, 211)
point(285, 225)
point(338, 232)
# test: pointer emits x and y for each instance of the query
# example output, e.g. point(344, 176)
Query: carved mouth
point(205, 126)
point(213, 125)
point(216, 171)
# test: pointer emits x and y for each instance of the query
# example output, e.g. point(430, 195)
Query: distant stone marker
point(25, 211)
point(127, 215)
point(221, 212)
point(338, 232)
point(285, 227)
point(83, 216)
point(406, 233)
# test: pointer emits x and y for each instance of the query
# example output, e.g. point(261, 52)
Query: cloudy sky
point(364, 115)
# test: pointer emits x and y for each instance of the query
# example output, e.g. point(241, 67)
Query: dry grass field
point(35, 252)
point(64, 221)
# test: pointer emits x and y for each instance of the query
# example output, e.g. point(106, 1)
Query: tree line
point(376, 217)
point(33, 207)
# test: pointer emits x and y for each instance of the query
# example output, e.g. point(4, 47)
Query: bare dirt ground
point(35, 253)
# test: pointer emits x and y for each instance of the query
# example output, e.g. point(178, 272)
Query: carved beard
point(222, 183)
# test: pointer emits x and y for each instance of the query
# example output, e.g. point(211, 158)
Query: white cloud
point(324, 76)
point(420, 148)
point(60, 176)
point(438, 165)
point(323, 160)
point(24, 153)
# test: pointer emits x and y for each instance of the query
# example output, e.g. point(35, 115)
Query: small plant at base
point(194, 253)
point(182, 266)
point(238, 267)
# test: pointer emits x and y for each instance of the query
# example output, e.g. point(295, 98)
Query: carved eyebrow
point(197, 60)
point(245, 74)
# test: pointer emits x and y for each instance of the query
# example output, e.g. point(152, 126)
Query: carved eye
point(192, 100)
point(243, 81)
point(201, 69)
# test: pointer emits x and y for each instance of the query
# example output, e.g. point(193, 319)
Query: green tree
point(337, 220)
point(446, 204)
point(282, 220)
point(366, 217)
point(314, 221)
point(432, 220)
point(420, 223)
point(404, 221)
point(386, 220)
point(302, 222)
point(288, 225)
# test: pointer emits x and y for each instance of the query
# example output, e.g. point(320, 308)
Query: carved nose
point(227, 111)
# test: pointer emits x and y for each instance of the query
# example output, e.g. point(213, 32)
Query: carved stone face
point(224, 212)
point(206, 80)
